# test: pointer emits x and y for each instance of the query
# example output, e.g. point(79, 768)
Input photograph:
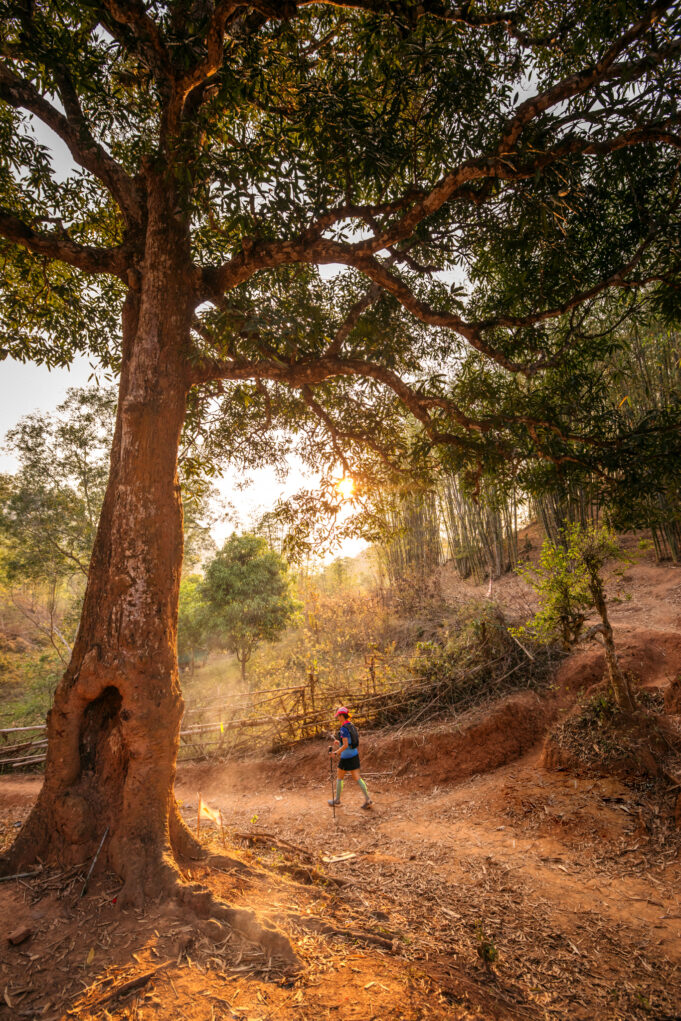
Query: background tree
point(248, 591)
point(49, 508)
point(51, 504)
point(194, 624)
point(221, 153)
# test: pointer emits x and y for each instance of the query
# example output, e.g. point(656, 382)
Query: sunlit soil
point(519, 893)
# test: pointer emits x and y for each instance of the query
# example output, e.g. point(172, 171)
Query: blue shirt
point(349, 752)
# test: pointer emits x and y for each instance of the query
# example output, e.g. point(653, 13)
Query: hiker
point(346, 746)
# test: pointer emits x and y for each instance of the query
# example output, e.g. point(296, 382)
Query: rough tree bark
point(113, 730)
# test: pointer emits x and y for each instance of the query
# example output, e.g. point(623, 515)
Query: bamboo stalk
point(17, 730)
point(14, 763)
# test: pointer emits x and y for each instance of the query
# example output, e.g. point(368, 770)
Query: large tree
point(221, 152)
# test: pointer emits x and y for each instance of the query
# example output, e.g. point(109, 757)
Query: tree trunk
point(113, 730)
point(620, 685)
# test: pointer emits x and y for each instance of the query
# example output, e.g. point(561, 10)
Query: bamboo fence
point(273, 719)
point(227, 725)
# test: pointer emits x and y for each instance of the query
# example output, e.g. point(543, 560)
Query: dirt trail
point(472, 851)
point(560, 873)
point(571, 881)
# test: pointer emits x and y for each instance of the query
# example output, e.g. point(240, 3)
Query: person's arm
point(339, 746)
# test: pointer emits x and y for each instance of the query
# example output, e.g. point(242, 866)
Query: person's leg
point(362, 786)
point(340, 776)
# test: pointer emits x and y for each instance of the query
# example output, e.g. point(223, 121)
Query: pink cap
point(342, 711)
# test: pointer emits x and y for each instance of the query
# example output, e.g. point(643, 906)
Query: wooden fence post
point(312, 686)
point(304, 728)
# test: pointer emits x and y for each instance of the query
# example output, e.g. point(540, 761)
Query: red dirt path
point(573, 881)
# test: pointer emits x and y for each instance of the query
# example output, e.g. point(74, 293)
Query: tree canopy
point(497, 184)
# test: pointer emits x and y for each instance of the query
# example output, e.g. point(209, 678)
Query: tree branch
point(309, 372)
point(74, 131)
point(579, 83)
point(337, 434)
point(214, 46)
point(316, 370)
point(150, 45)
point(114, 261)
point(351, 320)
point(327, 421)
point(458, 15)
point(616, 279)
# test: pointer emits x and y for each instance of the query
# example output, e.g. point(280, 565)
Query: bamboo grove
point(476, 525)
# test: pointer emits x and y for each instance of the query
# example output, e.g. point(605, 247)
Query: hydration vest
point(354, 735)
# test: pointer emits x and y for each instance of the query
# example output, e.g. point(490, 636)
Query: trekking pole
point(333, 792)
point(94, 862)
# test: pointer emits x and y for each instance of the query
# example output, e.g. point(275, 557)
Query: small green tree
point(248, 590)
point(569, 583)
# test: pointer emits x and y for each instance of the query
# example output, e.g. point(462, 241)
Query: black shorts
point(350, 763)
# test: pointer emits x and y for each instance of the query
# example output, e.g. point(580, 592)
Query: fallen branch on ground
point(268, 838)
point(125, 988)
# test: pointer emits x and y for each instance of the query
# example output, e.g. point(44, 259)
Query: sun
point(346, 487)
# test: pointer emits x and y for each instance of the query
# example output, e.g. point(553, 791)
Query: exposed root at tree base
point(326, 929)
point(200, 903)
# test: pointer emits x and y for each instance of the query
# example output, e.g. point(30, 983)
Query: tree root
point(308, 875)
point(274, 943)
point(233, 866)
point(272, 841)
point(183, 841)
